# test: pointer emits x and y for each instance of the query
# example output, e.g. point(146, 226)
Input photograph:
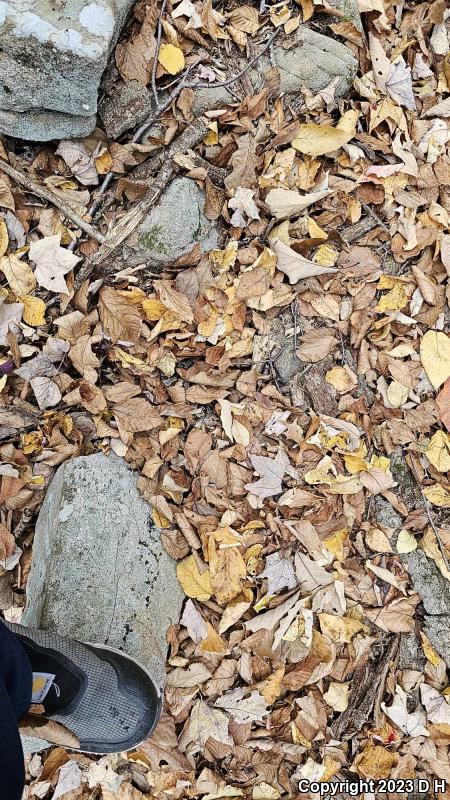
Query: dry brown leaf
point(121, 318)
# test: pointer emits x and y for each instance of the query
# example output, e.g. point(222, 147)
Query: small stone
point(99, 573)
point(129, 105)
point(173, 227)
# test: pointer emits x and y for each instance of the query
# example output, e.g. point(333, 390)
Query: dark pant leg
point(15, 697)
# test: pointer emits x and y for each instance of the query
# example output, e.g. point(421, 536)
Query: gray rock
point(129, 105)
point(42, 126)
point(173, 227)
point(429, 582)
point(385, 514)
point(313, 61)
point(52, 59)
point(99, 572)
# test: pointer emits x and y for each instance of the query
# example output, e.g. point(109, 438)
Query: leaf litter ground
point(285, 399)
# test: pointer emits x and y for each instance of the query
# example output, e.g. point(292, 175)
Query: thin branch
point(50, 197)
point(155, 59)
point(234, 78)
point(375, 216)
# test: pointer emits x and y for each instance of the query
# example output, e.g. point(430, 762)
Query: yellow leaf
point(212, 137)
point(194, 583)
point(224, 259)
point(317, 140)
point(337, 696)
point(33, 310)
point(435, 357)
point(429, 651)
point(213, 643)
point(227, 570)
point(4, 238)
point(315, 231)
point(375, 762)
point(270, 688)
point(171, 58)
point(355, 464)
point(18, 274)
point(335, 543)
point(406, 542)
point(438, 495)
point(326, 255)
point(438, 451)
point(154, 309)
point(159, 519)
point(103, 163)
point(393, 300)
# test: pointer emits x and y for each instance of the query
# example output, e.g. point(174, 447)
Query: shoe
point(105, 697)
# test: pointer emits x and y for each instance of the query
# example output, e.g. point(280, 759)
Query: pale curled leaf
point(52, 263)
point(295, 266)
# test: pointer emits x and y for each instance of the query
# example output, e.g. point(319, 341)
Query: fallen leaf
point(438, 451)
point(243, 705)
point(243, 162)
point(279, 573)
point(399, 84)
point(46, 392)
point(194, 583)
point(317, 140)
point(52, 263)
point(435, 356)
point(18, 274)
point(33, 310)
point(411, 723)
point(171, 58)
point(295, 266)
point(286, 203)
point(272, 471)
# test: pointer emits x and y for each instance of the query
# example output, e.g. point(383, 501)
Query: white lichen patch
point(97, 19)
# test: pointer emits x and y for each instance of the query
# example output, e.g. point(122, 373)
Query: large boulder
point(173, 227)
point(99, 573)
point(52, 59)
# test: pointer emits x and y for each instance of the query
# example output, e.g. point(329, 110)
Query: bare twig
point(155, 59)
point(234, 78)
point(375, 216)
point(50, 197)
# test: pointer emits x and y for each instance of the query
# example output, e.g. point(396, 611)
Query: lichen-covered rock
point(52, 59)
point(99, 573)
point(129, 105)
point(173, 227)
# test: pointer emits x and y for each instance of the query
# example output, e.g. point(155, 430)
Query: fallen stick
point(50, 197)
point(128, 223)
